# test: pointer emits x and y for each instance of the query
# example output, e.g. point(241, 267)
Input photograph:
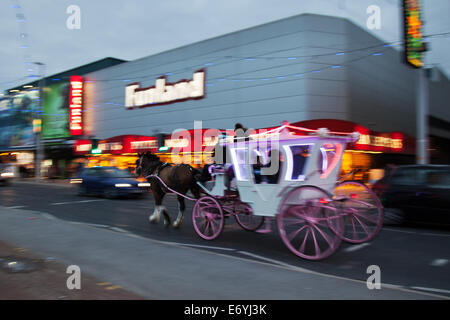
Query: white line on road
point(356, 247)
point(438, 262)
point(431, 289)
point(15, 207)
point(119, 230)
point(72, 202)
point(206, 247)
point(271, 260)
point(48, 216)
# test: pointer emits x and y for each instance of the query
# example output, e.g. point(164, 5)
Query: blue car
point(109, 182)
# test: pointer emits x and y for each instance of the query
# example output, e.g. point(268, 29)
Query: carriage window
point(326, 156)
point(239, 156)
point(297, 156)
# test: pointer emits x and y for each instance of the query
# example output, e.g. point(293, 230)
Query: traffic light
point(94, 147)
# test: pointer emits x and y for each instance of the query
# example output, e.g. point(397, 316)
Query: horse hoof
point(176, 224)
point(153, 220)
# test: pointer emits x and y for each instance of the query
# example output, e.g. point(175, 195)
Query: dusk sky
point(36, 30)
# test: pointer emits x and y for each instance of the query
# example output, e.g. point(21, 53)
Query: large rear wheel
point(309, 223)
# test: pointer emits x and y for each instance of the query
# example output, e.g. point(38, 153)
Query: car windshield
point(113, 173)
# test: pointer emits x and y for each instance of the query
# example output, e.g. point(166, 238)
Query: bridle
point(150, 169)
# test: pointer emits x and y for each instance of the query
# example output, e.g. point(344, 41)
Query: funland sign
point(165, 92)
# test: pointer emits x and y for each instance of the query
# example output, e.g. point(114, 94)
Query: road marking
point(72, 202)
point(204, 247)
point(48, 216)
point(119, 230)
point(16, 207)
point(270, 260)
point(104, 283)
point(356, 247)
point(113, 287)
point(431, 289)
point(419, 233)
point(438, 262)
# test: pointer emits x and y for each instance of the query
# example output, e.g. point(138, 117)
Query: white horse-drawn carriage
point(290, 174)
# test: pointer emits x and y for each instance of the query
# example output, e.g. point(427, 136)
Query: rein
point(171, 190)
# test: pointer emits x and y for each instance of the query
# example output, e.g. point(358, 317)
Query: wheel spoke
point(295, 233)
point(302, 248)
point(316, 245)
point(362, 225)
point(328, 240)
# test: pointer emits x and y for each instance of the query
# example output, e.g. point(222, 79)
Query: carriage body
point(262, 178)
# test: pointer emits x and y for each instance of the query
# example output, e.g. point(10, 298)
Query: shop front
point(119, 151)
point(367, 158)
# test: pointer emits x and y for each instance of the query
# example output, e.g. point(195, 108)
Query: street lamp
point(39, 157)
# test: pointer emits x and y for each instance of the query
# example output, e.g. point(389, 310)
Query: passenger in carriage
point(299, 154)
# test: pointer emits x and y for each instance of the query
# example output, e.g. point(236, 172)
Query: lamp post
point(39, 156)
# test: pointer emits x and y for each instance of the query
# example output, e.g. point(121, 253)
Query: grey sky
point(136, 28)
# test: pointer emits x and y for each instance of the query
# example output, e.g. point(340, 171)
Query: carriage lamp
point(76, 180)
point(122, 185)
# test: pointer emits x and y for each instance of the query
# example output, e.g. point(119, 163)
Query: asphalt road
point(414, 258)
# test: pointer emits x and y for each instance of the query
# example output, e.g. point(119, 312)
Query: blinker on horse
point(180, 178)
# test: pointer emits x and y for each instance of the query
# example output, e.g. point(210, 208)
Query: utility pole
point(39, 153)
point(422, 117)
point(414, 54)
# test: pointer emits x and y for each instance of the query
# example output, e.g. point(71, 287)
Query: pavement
point(142, 268)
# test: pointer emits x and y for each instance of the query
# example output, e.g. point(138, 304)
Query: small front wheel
point(207, 218)
point(245, 218)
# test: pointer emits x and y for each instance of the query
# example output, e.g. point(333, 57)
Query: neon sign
point(76, 105)
point(414, 46)
point(164, 92)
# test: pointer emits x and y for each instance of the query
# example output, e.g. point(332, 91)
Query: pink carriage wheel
point(309, 223)
point(207, 217)
point(362, 211)
point(245, 218)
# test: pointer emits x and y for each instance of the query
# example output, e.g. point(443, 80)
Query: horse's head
point(146, 163)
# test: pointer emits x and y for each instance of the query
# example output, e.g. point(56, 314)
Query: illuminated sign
point(164, 92)
point(76, 105)
point(146, 144)
point(110, 146)
point(414, 46)
point(381, 143)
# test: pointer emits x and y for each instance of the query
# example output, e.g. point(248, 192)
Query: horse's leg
point(181, 208)
point(158, 195)
point(195, 189)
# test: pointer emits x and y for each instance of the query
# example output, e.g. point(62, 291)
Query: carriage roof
point(287, 132)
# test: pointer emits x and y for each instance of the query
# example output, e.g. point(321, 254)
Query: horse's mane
point(151, 156)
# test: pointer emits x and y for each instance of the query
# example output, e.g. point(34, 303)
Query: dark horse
point(180, 178)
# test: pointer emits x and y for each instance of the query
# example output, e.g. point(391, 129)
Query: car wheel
point(110, 193)
point(82, 191)
point(394, 216)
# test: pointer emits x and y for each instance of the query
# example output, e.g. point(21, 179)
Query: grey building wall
point(292, 69)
